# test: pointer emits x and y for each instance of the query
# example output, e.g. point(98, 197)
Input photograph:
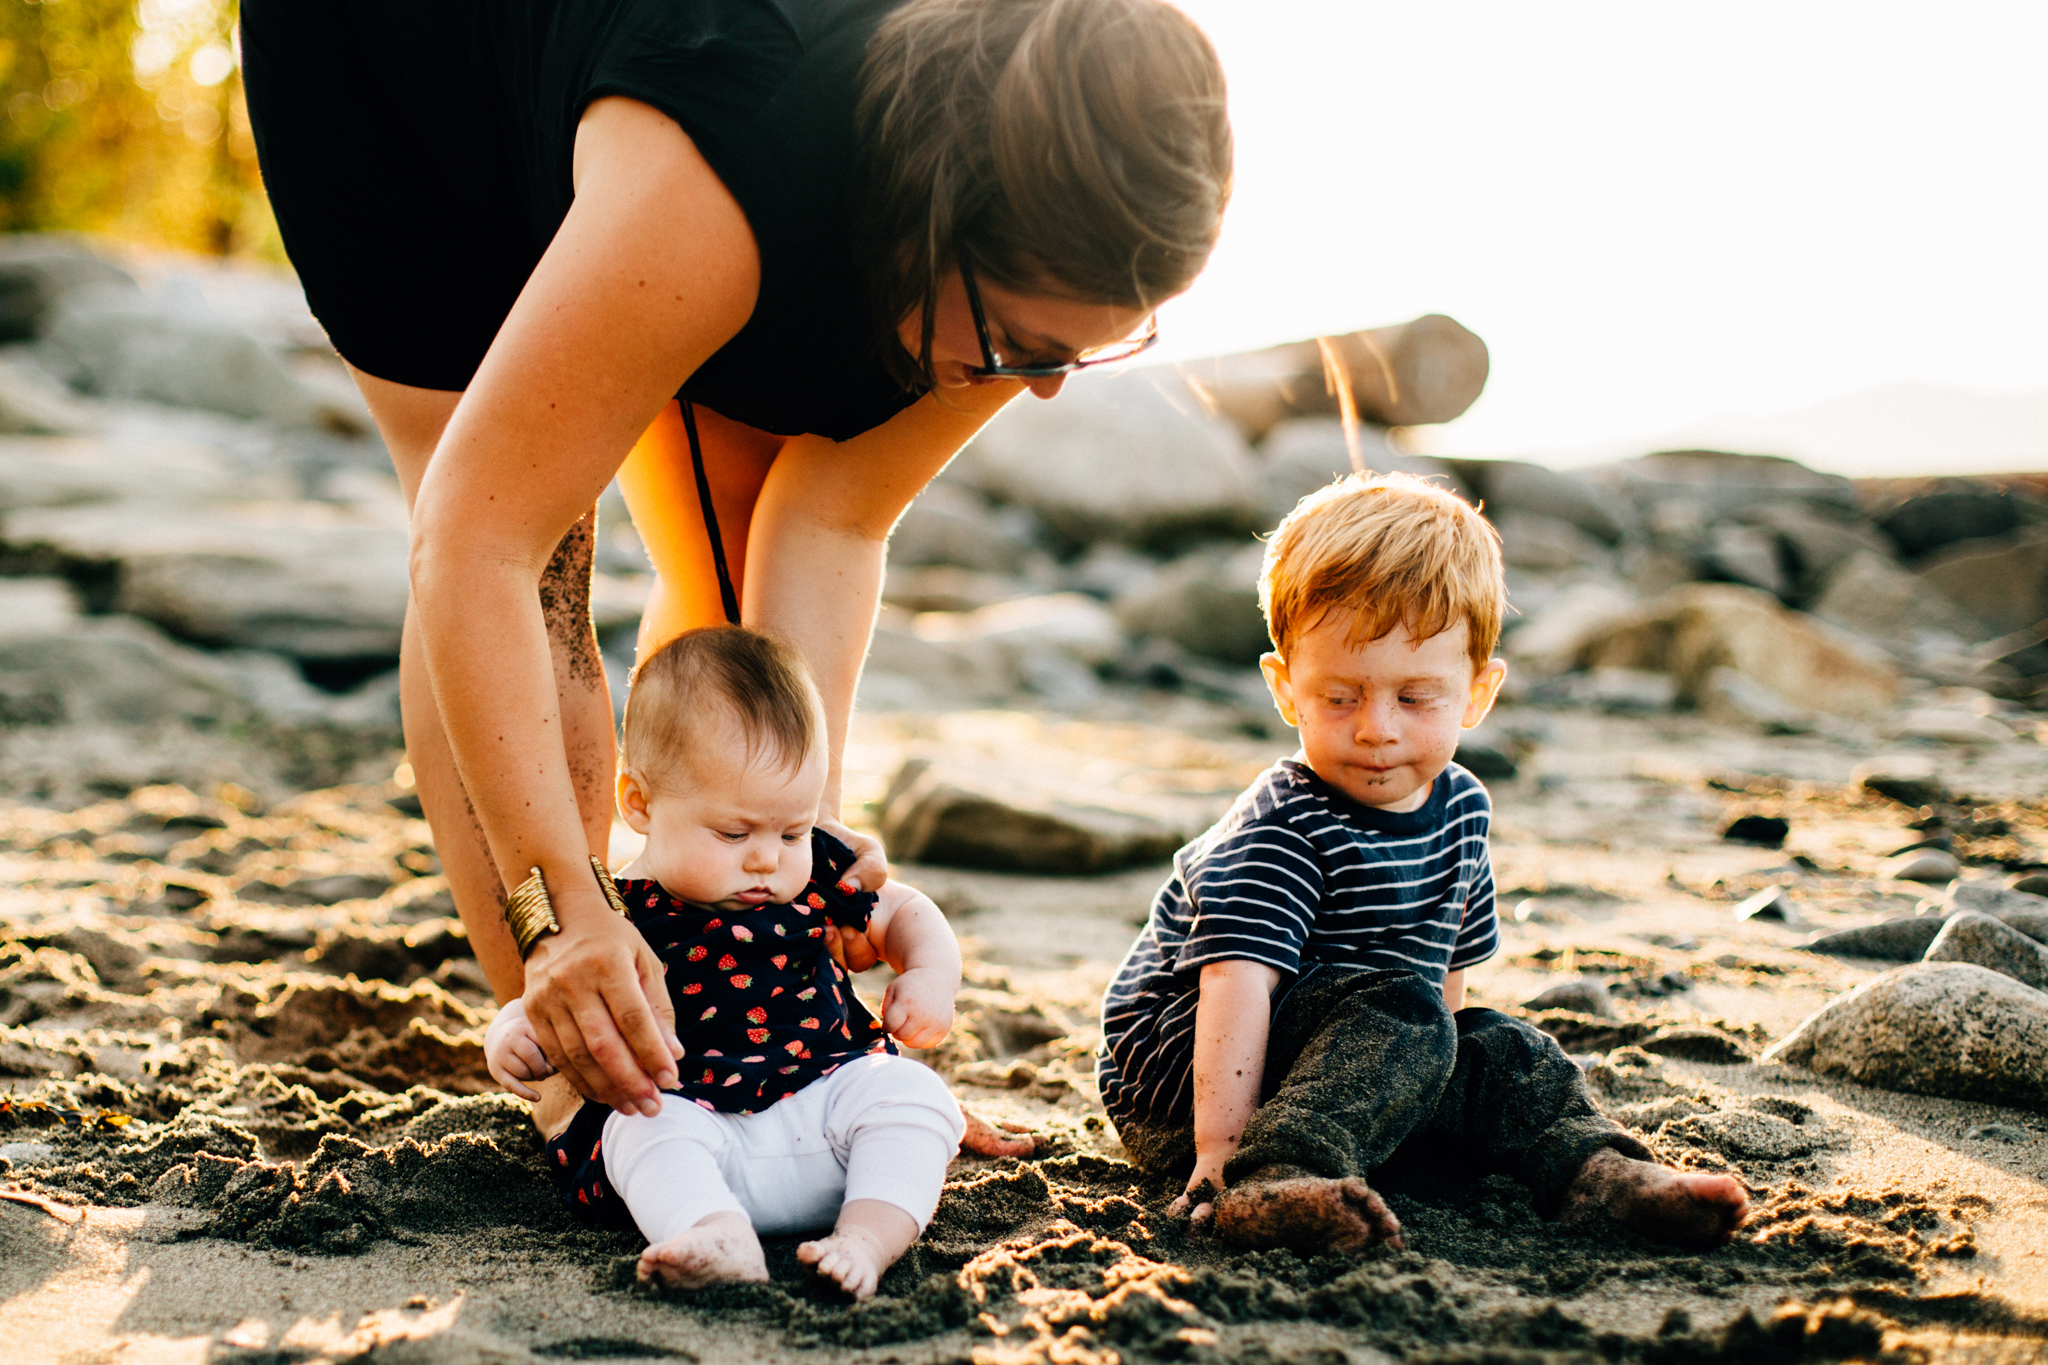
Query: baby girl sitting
point(798, 1112)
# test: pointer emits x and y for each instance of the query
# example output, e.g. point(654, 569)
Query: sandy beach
point(274, 1140)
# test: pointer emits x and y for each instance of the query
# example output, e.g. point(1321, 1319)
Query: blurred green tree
point(126, 117)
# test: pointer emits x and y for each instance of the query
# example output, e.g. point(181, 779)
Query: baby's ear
point(632, 802)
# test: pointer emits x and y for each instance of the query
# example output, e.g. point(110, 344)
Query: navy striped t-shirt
point(1296, 875)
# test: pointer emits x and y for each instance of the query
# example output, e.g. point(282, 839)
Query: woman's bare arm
point(820, 534)
point(652, 271)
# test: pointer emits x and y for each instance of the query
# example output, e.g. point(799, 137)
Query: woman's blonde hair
point(1394, 549)
point(1069, 147)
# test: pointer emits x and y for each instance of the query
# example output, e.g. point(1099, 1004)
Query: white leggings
point(879, 1127)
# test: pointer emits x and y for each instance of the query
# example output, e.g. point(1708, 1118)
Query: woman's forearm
point(487, 654)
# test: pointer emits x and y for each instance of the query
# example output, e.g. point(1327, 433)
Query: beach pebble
point(1930, 865)
point(1696, 1043)
point(1908, 779)
point(1971, 937)
point(1998, 1132)
point(1892, 940)
point(2030, 883)
point(1582, 996)
point(1765, 831)
point(1949, 1029)
point(1999, 902)
point(1771, 903)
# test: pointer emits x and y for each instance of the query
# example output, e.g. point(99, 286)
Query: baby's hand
point(512, 1054)
point(917, 1009)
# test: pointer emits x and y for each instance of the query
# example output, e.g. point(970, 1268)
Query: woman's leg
point(661, 489)
point(411, 421)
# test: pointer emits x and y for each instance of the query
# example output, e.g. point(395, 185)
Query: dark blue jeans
point(1365, 1066)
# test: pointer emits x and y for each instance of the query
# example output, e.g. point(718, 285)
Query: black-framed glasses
point(990, 368)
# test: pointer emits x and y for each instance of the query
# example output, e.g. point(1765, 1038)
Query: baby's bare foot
point(1281, 1207)
point(852, 1258)
point(1679, 1207)
point(722, 1249)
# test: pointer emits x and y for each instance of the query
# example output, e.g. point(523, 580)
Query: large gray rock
point(1131, 457)
point(1305, 453)
point(291, 578)
point(953, 525)
point(1548, 544)
point(111, 671)
point(1971, 937)
point(1512, 486)
point(1954, 510)
point(1815, 539)
point(2003, 582)
point(1892, 940)
point(137, 346)
point(37, 271)
point(2017, 908)
point(969, 814)
point(905, 673)
point(1206, 602)
point(41, 471)
point(1873, 596)
point(1693, 630)
point(1741, 553)
point(1720, 483)
point(32, 403)
point(1950, 1029)
point(1550, 639)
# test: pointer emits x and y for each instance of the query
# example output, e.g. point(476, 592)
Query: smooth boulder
point(1206, 602)
point(1693, 630)
point(2002, 582)
point(1971, 937)
point(983, 815)
point(1949, 1029)
point(1873, 596)
point(1132, 457)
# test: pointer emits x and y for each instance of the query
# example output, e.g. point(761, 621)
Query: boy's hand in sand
point(513, 1054)
point(1197, 1201)
point(917, 1009)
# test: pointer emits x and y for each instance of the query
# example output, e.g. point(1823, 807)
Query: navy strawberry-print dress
point(761, 1008)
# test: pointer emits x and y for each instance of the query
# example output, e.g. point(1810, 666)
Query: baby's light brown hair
point(706, 674)
point(1395, 549)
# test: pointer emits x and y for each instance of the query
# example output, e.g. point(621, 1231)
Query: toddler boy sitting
point(1291, 1016)
point(791, 1114)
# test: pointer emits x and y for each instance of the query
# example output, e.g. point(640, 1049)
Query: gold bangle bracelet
point(530, 913)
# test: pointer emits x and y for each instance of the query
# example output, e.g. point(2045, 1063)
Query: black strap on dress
point(726, 594)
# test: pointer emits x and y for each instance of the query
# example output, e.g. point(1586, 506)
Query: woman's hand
point(870, 860)
point(599, 1007)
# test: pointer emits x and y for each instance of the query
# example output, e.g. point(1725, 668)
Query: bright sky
point(1653, 213)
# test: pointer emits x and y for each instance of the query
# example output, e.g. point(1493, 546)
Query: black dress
point(418, 153)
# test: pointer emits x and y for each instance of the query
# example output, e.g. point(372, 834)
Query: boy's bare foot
point(1679, 1207)
point(1279, 1206)
point(720, 1250)
point(867, 1241)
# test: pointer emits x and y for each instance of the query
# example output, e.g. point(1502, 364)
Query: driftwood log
point(1428, 370)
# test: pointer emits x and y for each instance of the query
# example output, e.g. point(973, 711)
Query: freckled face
point(1380, 720)
point(723, 830)
point(1026, 329)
